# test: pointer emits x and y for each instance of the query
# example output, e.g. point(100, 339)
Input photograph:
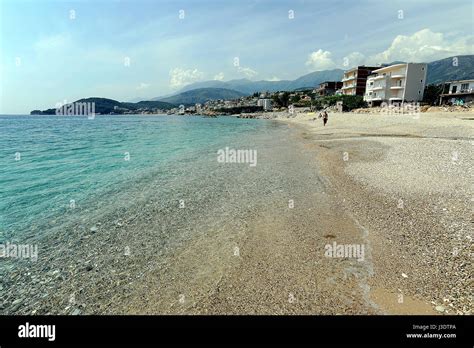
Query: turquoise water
point(54, 167)
point(169, 218)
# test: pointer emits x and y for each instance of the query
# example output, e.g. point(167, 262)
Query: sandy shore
point(407, 182)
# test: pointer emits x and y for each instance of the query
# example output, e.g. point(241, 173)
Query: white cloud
point(180, 77)
point(219, 76)
point(320, 60)
point(423, 46)
point(247, 71)
point(273, 78)
point(353, 59)
point(143, 85)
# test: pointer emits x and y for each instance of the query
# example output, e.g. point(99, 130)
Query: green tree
point(285, 98)
point(295, 99)
point(432, 93)
point(276, 100)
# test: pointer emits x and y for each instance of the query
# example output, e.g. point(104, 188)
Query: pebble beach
point(407, 179)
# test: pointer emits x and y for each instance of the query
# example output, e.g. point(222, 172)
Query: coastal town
point(361, 87)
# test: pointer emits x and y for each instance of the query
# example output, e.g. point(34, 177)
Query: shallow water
point(55, 168)
point(134, 221)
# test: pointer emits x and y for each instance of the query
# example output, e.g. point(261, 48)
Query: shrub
point(349, 102)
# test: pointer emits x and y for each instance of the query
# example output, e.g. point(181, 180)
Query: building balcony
point(397, 87)
point(379, 77)
point(349, 87)
point(462, 91)
point(377, 88)
point(397, 76)
point(457, 93)
point(349, 78)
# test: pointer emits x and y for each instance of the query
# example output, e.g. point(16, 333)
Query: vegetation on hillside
point(450, 69)
point(281, 99)
point(107, 106)
point(349, 102)
point(202, 95)
point(239, 110)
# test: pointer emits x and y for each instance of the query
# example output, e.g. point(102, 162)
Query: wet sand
point(279, 266)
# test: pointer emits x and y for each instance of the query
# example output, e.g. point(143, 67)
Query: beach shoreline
point(396, 186)
point(406, 180)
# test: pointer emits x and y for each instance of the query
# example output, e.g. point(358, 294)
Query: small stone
point(77, 311)
point(17, 301)
point(440, 308)
point(404, 275)
point(89, 268)
point(93, 229)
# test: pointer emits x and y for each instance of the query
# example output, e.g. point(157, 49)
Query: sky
point(57, 51)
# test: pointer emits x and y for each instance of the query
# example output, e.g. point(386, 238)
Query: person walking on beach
point(325, 117)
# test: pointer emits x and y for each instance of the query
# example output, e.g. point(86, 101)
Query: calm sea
point(118, 205)
point(61, 170)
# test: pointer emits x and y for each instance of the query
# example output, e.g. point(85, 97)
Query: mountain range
point(202, 95)
point(247, 86)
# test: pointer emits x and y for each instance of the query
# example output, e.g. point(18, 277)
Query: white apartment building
point(459, 92)
point(354, 80)
point(266, 103)
point(396, 83)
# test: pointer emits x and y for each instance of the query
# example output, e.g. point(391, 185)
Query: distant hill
point(149, 104)
point(443, 70)
point(107, 106)
point(202, 95)
point(315, 78)
point(248, 87)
